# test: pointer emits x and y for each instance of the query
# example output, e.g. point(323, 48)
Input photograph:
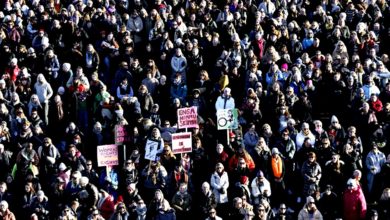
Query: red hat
point(231, 134)
point(243, 179)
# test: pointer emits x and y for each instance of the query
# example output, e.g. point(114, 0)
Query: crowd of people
point(309, 80)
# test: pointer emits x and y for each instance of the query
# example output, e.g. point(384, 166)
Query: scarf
point(277, 168)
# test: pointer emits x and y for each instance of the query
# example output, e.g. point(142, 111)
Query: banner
point(151, 149)
point(182, 142)
point(122, 134)
point(107, 155)
point(227, 119)
point(187, 117)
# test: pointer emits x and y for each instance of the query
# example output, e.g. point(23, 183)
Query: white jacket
point(178, 64)
point(220, 103)
point(258, 190)
point(217, 183)
point(301, 138)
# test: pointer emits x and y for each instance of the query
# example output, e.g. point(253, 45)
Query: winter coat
point(311, 171)
point(220, 184)
point(260, 190)
point(44, 91)
point(40, 208)
point(106, 206)
point(206, 202)
point(181, 202)
point(304, 215)
point(7, 215)
point(179, 91)
point(178, 64)
point(220, 104)
point(354, 204)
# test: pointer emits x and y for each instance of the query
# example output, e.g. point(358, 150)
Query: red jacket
point(234, 161)
point(106, 206)
point(355, 206)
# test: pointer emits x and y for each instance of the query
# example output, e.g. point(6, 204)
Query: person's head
point(219, 148)
point(311, 157)
point(261, 211)
point(3, 206)
point(205, 187)
point(227, 92)
point(282, 208)
point(183, 188)
point(285, 134)
point(75, 178)
point(305, 128)
point(121, 208)
point(84, 181)
point(310, 202)
point(129, 164)
point(374, 146)
point(275, 152)
point(241, 163)
point(219, 168)
point(131, 187)
point(158, 195)
point(385, 194)
point(335, 158)
point(72, 150)
point(40, 195)
point(212, 213)
point(46, 142)
point(237, 203)
point(352, 184)
point(260, 176)
point(3, 187)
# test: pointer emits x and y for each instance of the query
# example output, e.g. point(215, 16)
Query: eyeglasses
point(89, 164)
point(212, 212)
point(311, 202)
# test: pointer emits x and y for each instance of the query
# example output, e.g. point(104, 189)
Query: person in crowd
point(310, 210)
point(182, 202)
point(374, 161)
point(260, 188)
point(5, 213)
point(354, 202)
point(311, 172)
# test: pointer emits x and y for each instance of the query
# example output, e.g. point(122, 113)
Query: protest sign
point(187, 117)
point(227, 119)
point(151, 149)
point(122, 134)
point(182, 142)
point(107, 155)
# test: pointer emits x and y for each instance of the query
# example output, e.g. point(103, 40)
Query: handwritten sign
point(107, 155)
point(227, 119)
point(181, 142)
point(151, 149)
point(122, 134)
point(187, 117)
